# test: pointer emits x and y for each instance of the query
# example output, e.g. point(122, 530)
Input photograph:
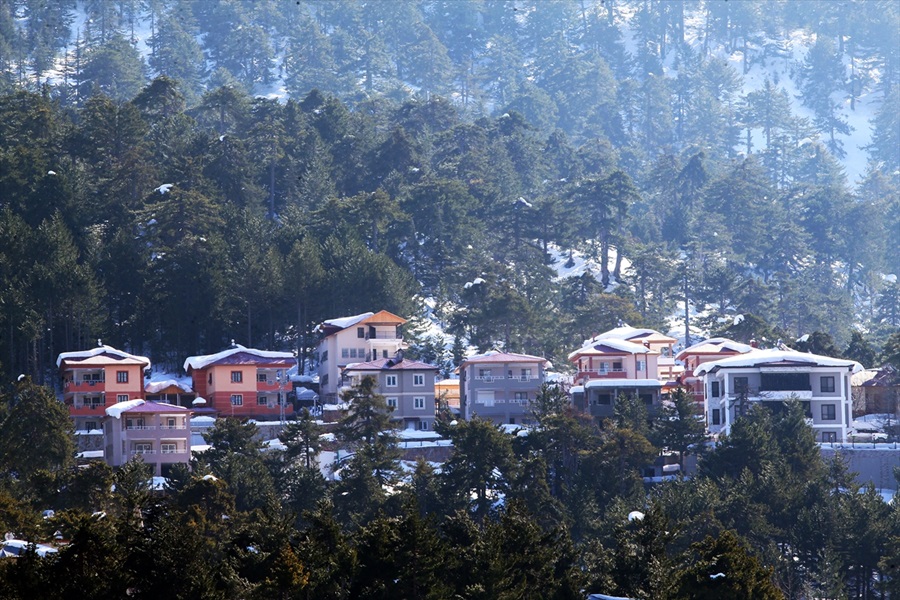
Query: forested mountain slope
point(150, 196)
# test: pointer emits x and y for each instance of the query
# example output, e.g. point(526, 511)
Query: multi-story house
point(667, 368)
point(243, 382)
point(360, 338)
point(407, 386)
point(95, 379)
point(500, 385)
point(160, 434)
point(771, 377)
point(703, 352)
point(607, 368)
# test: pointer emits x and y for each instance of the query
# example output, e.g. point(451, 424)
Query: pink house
point(160, 434)
point(243, 382)
point(95, 379)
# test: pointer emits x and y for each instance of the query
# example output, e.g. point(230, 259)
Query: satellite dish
point(199, 402)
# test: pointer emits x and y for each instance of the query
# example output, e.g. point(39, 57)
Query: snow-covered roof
point(757, 358)
point(116, 410)
point(200, 362)
point(611, 346)
point(154, 387)
point(345, 322)
point(494, 356)
point(142, 406)
point(622, 383)
point(626, 332)
point(715, 346)
point(102, 350)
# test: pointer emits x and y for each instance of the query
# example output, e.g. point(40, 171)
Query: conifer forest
point(178, 175)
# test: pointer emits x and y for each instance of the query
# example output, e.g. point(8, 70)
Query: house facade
point(360, 338)
point(703, 352)
point(608, 367)
point(243, 382)
point(667, 368)
point(500, 386)
point(407, 386)
point(772, 377)
point(160, 434)
point(93, 380)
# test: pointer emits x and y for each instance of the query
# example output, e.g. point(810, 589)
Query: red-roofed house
point(407, 385)
point(159, 433)
point(499, 385)
point(243, 382)
point(97, 378)
point(360, 338)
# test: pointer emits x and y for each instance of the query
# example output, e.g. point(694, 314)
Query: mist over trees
point(159, 191)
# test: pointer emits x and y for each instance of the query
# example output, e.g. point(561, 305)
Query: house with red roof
point(360, 338)
point(157, 433)
point(407, 385)
point(243, 382)
point(500, 385)
point(95, 379)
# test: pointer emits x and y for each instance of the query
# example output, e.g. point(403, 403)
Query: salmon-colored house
point(94, 379)
point(243, 382)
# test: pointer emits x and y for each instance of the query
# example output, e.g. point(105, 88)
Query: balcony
point(764, 394)
point(601, 375)
point(74, 387)
point(490, 378)
point(140, 427)
point(523, 377)
point(383, 335)
point(142, 452)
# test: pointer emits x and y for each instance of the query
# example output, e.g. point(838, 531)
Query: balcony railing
point(523, 377)
point(383, 335)
point(490, 378)
point(173, 426)
point(144, 427)
point(136, 452)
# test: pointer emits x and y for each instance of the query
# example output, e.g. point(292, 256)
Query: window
point(384, 354)
point(418, 379)
point(829, 436)
point(827, 384)
point(741, 385)
point(262, 401)
point(521, 397)
point(170, 422)
point(134, 423)
point(526, 374)
point(423, 425)
point(261, 378)
point(604, 367)
point(361, 332)
point(237, 399)
point(418, 403)
point(143, 449)
point(784, 382)
point(714, 389)
point(121, 376)
point(90, 425)
point(237, 377)
point(392, 402)
point(647, 398)
point(486, 398)
point(121, 397)
point(390, 380)
point(716, 416)
point(641, 365)
point(169, 448)
point(325, 379)
point(828, 412)
point(325, 356)
point(209, 380)
point(604, 399)
point(482, 373)
point(360, 352)
point(617, 365)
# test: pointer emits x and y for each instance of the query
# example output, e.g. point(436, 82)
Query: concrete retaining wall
point(874, 464)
